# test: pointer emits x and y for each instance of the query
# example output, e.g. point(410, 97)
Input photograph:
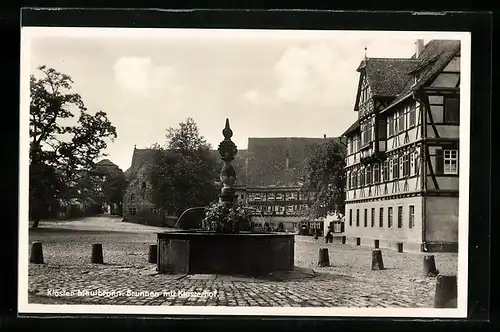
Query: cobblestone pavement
point(126, 276)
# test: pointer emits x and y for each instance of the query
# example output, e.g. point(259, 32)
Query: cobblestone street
point(348, 282)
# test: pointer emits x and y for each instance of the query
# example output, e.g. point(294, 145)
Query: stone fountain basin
point(244, 253)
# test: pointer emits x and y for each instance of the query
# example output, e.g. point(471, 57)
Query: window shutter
point(439, 161)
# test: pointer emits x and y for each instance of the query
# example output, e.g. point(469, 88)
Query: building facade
point(402, 152)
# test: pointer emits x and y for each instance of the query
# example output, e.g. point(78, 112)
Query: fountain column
point(227, 150)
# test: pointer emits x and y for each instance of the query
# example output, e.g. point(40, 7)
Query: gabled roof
point(139, 157)
point(106, 162)
point(354, 127)
point(386, 76)
point(433, 59)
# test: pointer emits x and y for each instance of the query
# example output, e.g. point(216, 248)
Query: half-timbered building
point(402, 154)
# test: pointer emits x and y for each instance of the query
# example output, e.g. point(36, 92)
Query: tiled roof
point(395, 77)
point(145, 156)
point(434, 57)
point(386, 76)
point(267, 160)
point(262, 164)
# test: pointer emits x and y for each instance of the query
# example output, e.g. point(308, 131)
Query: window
point(390, 126)
point(417, 163)
point(385, 171)
point(361, 177)
point(391, 169)
point(400, 216)
point(411, 216)
point(406, 164)
point(366, 218)
point(381, 217)
point(395, 167)
point(450, 162)
point(389, 220)
point(412, 117)
point(270, 197)
point(382, 131)
point(290, 208)
point(132, 197)
point(279, 196)
point(132, 210)
point(376, 173)
point(401, 166)
point(451, 110)
point(412, 163)
point(401, 121)
point(350, 217)
point(337, 227)
point(357, 217)
point(446, 161)
point(291, 196)
point(373, 217)
point(369, 175)
point(366, 132)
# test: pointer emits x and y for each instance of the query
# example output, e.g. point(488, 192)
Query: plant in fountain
point(226, 216)
point(222, 218)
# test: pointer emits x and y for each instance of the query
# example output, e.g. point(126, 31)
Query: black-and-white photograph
point(259, 172)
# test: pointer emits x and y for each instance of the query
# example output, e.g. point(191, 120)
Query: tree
point(61, 153)
point(183, 172)
point(326, 179)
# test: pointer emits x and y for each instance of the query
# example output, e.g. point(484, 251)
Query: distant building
point(403, 158)
point(276, 171)
point(269, 179)
point(101, 172)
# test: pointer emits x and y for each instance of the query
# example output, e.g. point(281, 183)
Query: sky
point(268, 84)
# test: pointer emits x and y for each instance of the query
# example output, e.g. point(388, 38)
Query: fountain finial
point(227, 150)
point(227, 132)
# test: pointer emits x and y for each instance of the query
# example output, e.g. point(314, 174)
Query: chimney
point(419, 48)
point(324, 135)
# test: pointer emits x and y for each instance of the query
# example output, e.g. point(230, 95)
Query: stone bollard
point(344, 239)
point(377, 261)
point(97, 254)
point(376, 243)
point(446, 292)
point(323, 260)
point(36, 255)
point(153, 251)
point(430, 266)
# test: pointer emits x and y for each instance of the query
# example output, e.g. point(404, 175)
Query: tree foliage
point(183, 172)
point(326, 179)
point(61, 152)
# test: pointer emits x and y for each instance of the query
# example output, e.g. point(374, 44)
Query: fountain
point(226, 243)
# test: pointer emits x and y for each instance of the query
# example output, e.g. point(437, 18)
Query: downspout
point(423, 177)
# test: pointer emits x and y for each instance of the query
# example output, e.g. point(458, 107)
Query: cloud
point(257, 98)
point(252, 96)
point(317, 74)
point(140, 75)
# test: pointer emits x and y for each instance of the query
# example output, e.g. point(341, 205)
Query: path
point(349, 282)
